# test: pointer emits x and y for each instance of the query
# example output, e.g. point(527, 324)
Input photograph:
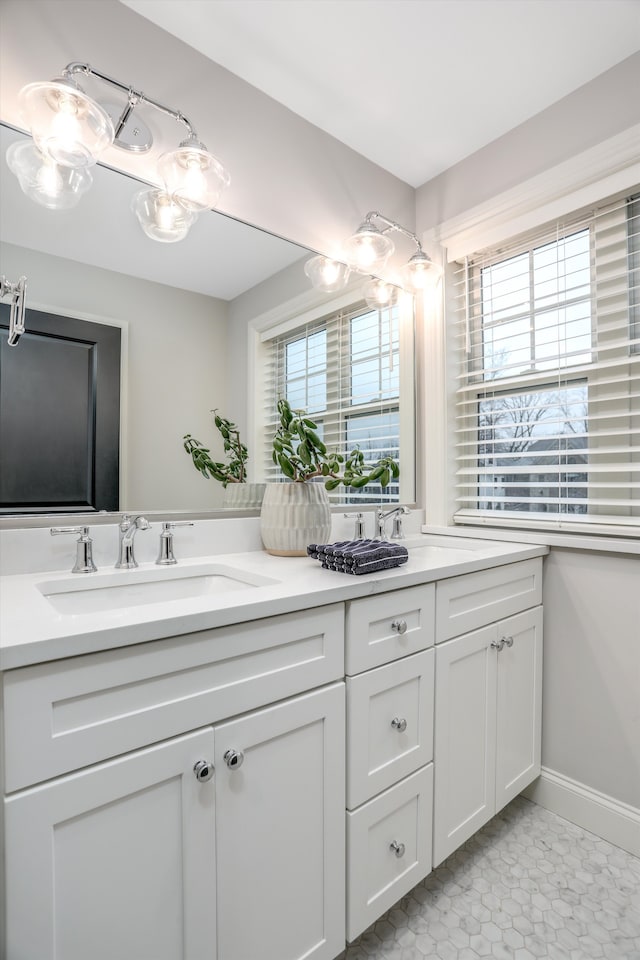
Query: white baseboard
point(616, 822)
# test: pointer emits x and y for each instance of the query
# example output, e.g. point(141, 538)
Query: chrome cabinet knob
point(234, 759)
point(508, 641)
point(400, 626)
point(203, 771)
point(498, 644)
point(399, 723)
point(398, 848)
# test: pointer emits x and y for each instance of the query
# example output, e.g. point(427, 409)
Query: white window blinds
point(352, 371)
point(547, 344)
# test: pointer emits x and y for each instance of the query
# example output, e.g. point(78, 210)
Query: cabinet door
point(116, 861)
point(465, 739)
point(519, 694)
point(280, 830)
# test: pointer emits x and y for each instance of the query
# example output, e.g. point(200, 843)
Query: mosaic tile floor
point(528, 886)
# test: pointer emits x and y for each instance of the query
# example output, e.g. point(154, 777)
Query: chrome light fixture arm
point(392, 225)
point(134, 97)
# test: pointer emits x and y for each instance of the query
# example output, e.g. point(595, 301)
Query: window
point(352, 371)
point(547, 407)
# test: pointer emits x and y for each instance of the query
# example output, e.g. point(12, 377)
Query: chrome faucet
point(396, 513)
point(128, 528)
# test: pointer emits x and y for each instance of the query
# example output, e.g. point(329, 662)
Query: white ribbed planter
point(294, 515)
point(243, 496)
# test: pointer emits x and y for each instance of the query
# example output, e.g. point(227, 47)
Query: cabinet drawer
point(389, 626)
point(389, 724)
point(388, 849)
point(471, 601)
point(64, 715)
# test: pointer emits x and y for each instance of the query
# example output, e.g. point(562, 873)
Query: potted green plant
point(232, 472)
point(297, 513)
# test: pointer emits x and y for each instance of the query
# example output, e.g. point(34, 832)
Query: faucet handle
point(397, 533)
point(359, 519)
point(84, 548)
point(165, 556)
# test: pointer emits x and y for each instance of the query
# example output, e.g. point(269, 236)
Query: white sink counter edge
point(32, 632)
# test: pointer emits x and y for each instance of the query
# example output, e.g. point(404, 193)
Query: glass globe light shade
point(368, 249)
point(193, 175)
point(45, 181)
point(65, 123)
point(161, 216)
point(380, 294)
point(420, 272)
point(326, 274)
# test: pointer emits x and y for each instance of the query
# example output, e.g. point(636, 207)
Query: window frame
point(562, 377)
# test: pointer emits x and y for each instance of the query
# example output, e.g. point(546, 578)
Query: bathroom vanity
point(258, 772)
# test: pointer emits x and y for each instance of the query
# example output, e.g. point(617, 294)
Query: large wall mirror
point(173, 303)
point(183, 310)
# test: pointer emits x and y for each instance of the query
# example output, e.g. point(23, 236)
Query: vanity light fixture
point(366, 242)
point(367, 251)
point(369, 248)
point(70, 131)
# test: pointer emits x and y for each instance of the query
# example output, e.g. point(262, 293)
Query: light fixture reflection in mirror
point(43, 180)
point(161, 216)
point(326, 275)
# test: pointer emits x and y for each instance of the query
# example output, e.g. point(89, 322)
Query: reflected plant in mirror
point(234, 469)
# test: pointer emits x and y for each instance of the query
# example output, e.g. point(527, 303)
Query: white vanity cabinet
point(488, 696)
point(389, 657)
point(225, 842)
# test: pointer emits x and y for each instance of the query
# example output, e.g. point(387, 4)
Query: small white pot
point(294, 515)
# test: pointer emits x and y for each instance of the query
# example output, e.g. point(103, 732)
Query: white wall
point(595, 112)
point(591, 688)
point(591, 698)
point(176, 371)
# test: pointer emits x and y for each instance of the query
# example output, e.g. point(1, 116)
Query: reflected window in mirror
point(351, 368)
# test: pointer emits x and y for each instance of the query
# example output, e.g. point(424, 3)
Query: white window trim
point(601, 171)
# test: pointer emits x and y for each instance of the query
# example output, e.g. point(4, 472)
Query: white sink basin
point(131, 588)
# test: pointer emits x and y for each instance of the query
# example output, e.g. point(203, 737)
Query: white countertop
point(31, 631)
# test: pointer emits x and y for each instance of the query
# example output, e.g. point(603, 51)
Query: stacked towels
point(358, 556)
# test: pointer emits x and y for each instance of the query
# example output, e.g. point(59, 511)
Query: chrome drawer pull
point(399, 723)
point(203, 771)
point(397, 847)
point(234, 759)
point(508, 641)
point(498, 644)
point(400, 626)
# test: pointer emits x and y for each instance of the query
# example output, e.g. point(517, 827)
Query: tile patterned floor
point(528, 886)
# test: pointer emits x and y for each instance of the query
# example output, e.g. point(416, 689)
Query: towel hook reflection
point(16, 292)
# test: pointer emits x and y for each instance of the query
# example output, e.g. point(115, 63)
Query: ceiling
point(413, 85)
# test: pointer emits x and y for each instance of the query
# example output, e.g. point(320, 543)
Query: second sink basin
point(130, 588)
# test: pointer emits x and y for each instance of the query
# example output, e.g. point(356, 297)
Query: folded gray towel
point(359, 556)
